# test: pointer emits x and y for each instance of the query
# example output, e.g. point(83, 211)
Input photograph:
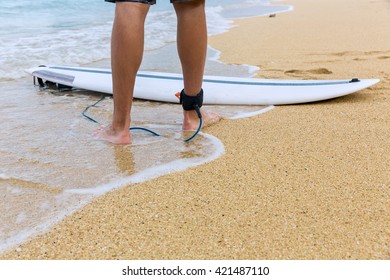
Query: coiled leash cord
point(84, 113)
point(184, 100)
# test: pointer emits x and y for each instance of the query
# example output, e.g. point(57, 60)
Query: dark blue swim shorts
point(151, 2)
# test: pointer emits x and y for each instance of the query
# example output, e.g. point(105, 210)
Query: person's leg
point(192, 43)
point(127, 45)
point(192, 49)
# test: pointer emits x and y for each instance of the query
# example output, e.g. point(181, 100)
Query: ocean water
point(50, 163)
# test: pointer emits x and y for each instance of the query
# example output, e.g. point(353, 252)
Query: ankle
point(120, 127)
point(190, 115)
point(191, 120)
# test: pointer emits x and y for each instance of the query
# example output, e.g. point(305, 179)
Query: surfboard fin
point(354, 80)
point(48, 84)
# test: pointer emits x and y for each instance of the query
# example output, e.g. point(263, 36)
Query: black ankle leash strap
point(190, 102)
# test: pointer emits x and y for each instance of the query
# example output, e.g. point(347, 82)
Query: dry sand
point(299, 182)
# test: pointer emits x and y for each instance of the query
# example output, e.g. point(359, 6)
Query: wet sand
point(299, 182)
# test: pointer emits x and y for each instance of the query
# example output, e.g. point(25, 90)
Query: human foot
point(108, 133)
point(191, 119)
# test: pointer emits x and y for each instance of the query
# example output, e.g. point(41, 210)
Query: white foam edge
point(288, 9)
point(22, 236)
point(155, 172)
point(216, 58)
point(4, 177)
point(252, 114)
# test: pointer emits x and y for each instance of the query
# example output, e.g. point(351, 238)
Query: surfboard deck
point(219, 90)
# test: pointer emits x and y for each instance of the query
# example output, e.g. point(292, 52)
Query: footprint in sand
point(363, 55)
point(296, 72)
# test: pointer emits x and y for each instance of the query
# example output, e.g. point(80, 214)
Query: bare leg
point(127, 45)
point(192, 49)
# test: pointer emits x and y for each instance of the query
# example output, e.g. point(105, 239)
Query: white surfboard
point(218, 90)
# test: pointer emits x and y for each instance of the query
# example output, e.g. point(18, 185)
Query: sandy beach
point(298, 182)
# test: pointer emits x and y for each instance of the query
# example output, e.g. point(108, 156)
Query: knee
point(182, 8)
point(131, 9)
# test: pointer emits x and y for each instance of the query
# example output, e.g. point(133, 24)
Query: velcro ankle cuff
point(191, 102)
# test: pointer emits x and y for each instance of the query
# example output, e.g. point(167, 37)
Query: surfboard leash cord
point(84, 114)
point(197, 109)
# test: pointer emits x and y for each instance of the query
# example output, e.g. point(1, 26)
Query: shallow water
point(52, 164)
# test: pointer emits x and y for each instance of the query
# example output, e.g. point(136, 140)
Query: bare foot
point(191, 119)
point(107, 133)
